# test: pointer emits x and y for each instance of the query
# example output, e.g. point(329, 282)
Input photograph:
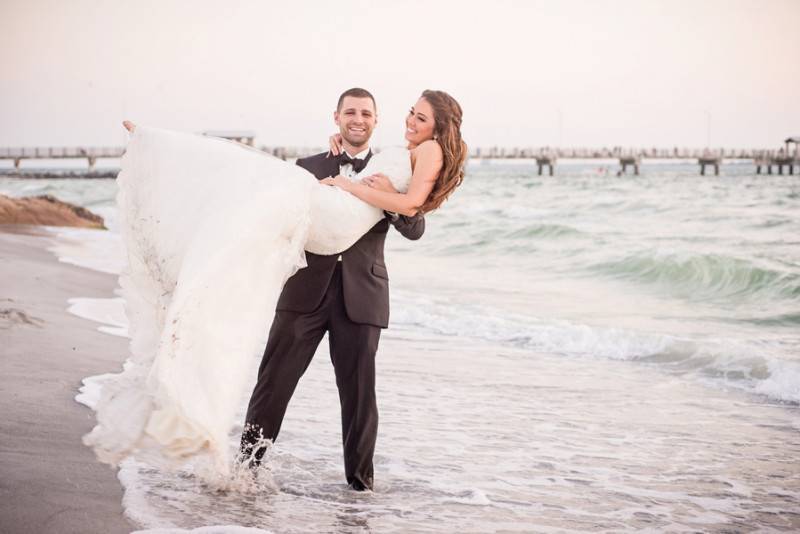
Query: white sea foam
point(99, 250)
point(783, 382)
point(90, 389)
point(109, 312)
point(720, 362)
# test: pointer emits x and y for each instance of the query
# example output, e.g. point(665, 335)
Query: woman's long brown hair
point(447, 132)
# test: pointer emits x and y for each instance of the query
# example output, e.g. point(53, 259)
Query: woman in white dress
point(212, 230)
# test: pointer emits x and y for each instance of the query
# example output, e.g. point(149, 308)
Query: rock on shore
point(46, 210)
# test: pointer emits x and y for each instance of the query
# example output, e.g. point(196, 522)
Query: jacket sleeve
point(305, 163)
point(410, 227)
point(319, 165)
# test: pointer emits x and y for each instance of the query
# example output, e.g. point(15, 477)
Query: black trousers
point(293, 340)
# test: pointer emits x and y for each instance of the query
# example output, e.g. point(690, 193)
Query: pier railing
point(91, 154)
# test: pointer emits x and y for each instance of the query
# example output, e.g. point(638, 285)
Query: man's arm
point(410, 227)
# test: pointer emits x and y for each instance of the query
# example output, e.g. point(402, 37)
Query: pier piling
point(632, 161)
point(715, 161)
point(548, 161)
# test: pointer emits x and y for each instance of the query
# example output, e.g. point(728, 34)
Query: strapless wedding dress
point(212, 230)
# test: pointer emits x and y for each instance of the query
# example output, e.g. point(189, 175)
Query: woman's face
point(419, 123)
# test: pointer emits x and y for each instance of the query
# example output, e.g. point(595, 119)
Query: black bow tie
point(357, 163)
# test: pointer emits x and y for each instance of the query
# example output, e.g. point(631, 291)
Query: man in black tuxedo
point(346, 295)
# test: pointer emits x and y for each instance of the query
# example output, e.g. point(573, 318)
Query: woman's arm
point(426, 170)
point(409, 227)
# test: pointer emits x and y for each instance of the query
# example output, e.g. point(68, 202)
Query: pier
point(546, 157)
point(90, 154)
point(787, 157)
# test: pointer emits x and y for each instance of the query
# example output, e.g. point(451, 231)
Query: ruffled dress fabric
point(212, 231)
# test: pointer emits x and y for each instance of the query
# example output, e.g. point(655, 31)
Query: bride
point(213, 229)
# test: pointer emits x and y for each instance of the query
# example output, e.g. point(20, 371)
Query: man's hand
point(380, 182)
point(338, 181)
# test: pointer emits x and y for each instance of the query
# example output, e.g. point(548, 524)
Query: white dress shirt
point(347, 171)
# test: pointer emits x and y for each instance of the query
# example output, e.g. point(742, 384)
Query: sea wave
point(752, 366)
point(502, 238)
point(782, 319)
point(703, 276)
point(542, 230)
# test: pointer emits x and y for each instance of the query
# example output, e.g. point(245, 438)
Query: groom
point(346, 295)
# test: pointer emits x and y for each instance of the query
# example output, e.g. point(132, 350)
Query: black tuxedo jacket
point(364, 275)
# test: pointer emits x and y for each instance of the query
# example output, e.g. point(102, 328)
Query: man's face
point(356, 120)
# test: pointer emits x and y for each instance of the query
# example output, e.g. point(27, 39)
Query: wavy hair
point(447, 132)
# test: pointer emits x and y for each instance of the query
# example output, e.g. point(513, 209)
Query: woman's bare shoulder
point(430, 147)
point(428, 150)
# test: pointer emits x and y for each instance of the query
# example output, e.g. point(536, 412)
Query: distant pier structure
point(787, 156)
point(546, 157)
point(90, 154)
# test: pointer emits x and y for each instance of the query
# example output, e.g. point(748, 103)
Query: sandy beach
point(50, 481)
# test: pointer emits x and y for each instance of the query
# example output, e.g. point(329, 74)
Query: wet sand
point(50, 481)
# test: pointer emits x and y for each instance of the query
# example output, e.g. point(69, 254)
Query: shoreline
point(51, 481)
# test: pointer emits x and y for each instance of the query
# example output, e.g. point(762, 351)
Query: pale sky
point(631, 73)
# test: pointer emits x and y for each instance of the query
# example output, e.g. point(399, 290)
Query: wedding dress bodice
point(338, 219)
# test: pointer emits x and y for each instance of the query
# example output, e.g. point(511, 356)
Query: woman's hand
point(335, 145)
point(380, 182)
point(338, 181)
point(129, 126)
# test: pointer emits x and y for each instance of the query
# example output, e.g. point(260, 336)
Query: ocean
point(567, 353)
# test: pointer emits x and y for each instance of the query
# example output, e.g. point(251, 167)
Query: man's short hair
point(356, 92)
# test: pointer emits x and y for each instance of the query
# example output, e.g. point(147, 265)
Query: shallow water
point(578, 352)
point(481, 438)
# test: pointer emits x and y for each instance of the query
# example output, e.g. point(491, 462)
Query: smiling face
point(356, 119)
point(420, 123)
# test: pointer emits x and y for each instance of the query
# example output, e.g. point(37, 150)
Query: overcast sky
point(527, 73)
